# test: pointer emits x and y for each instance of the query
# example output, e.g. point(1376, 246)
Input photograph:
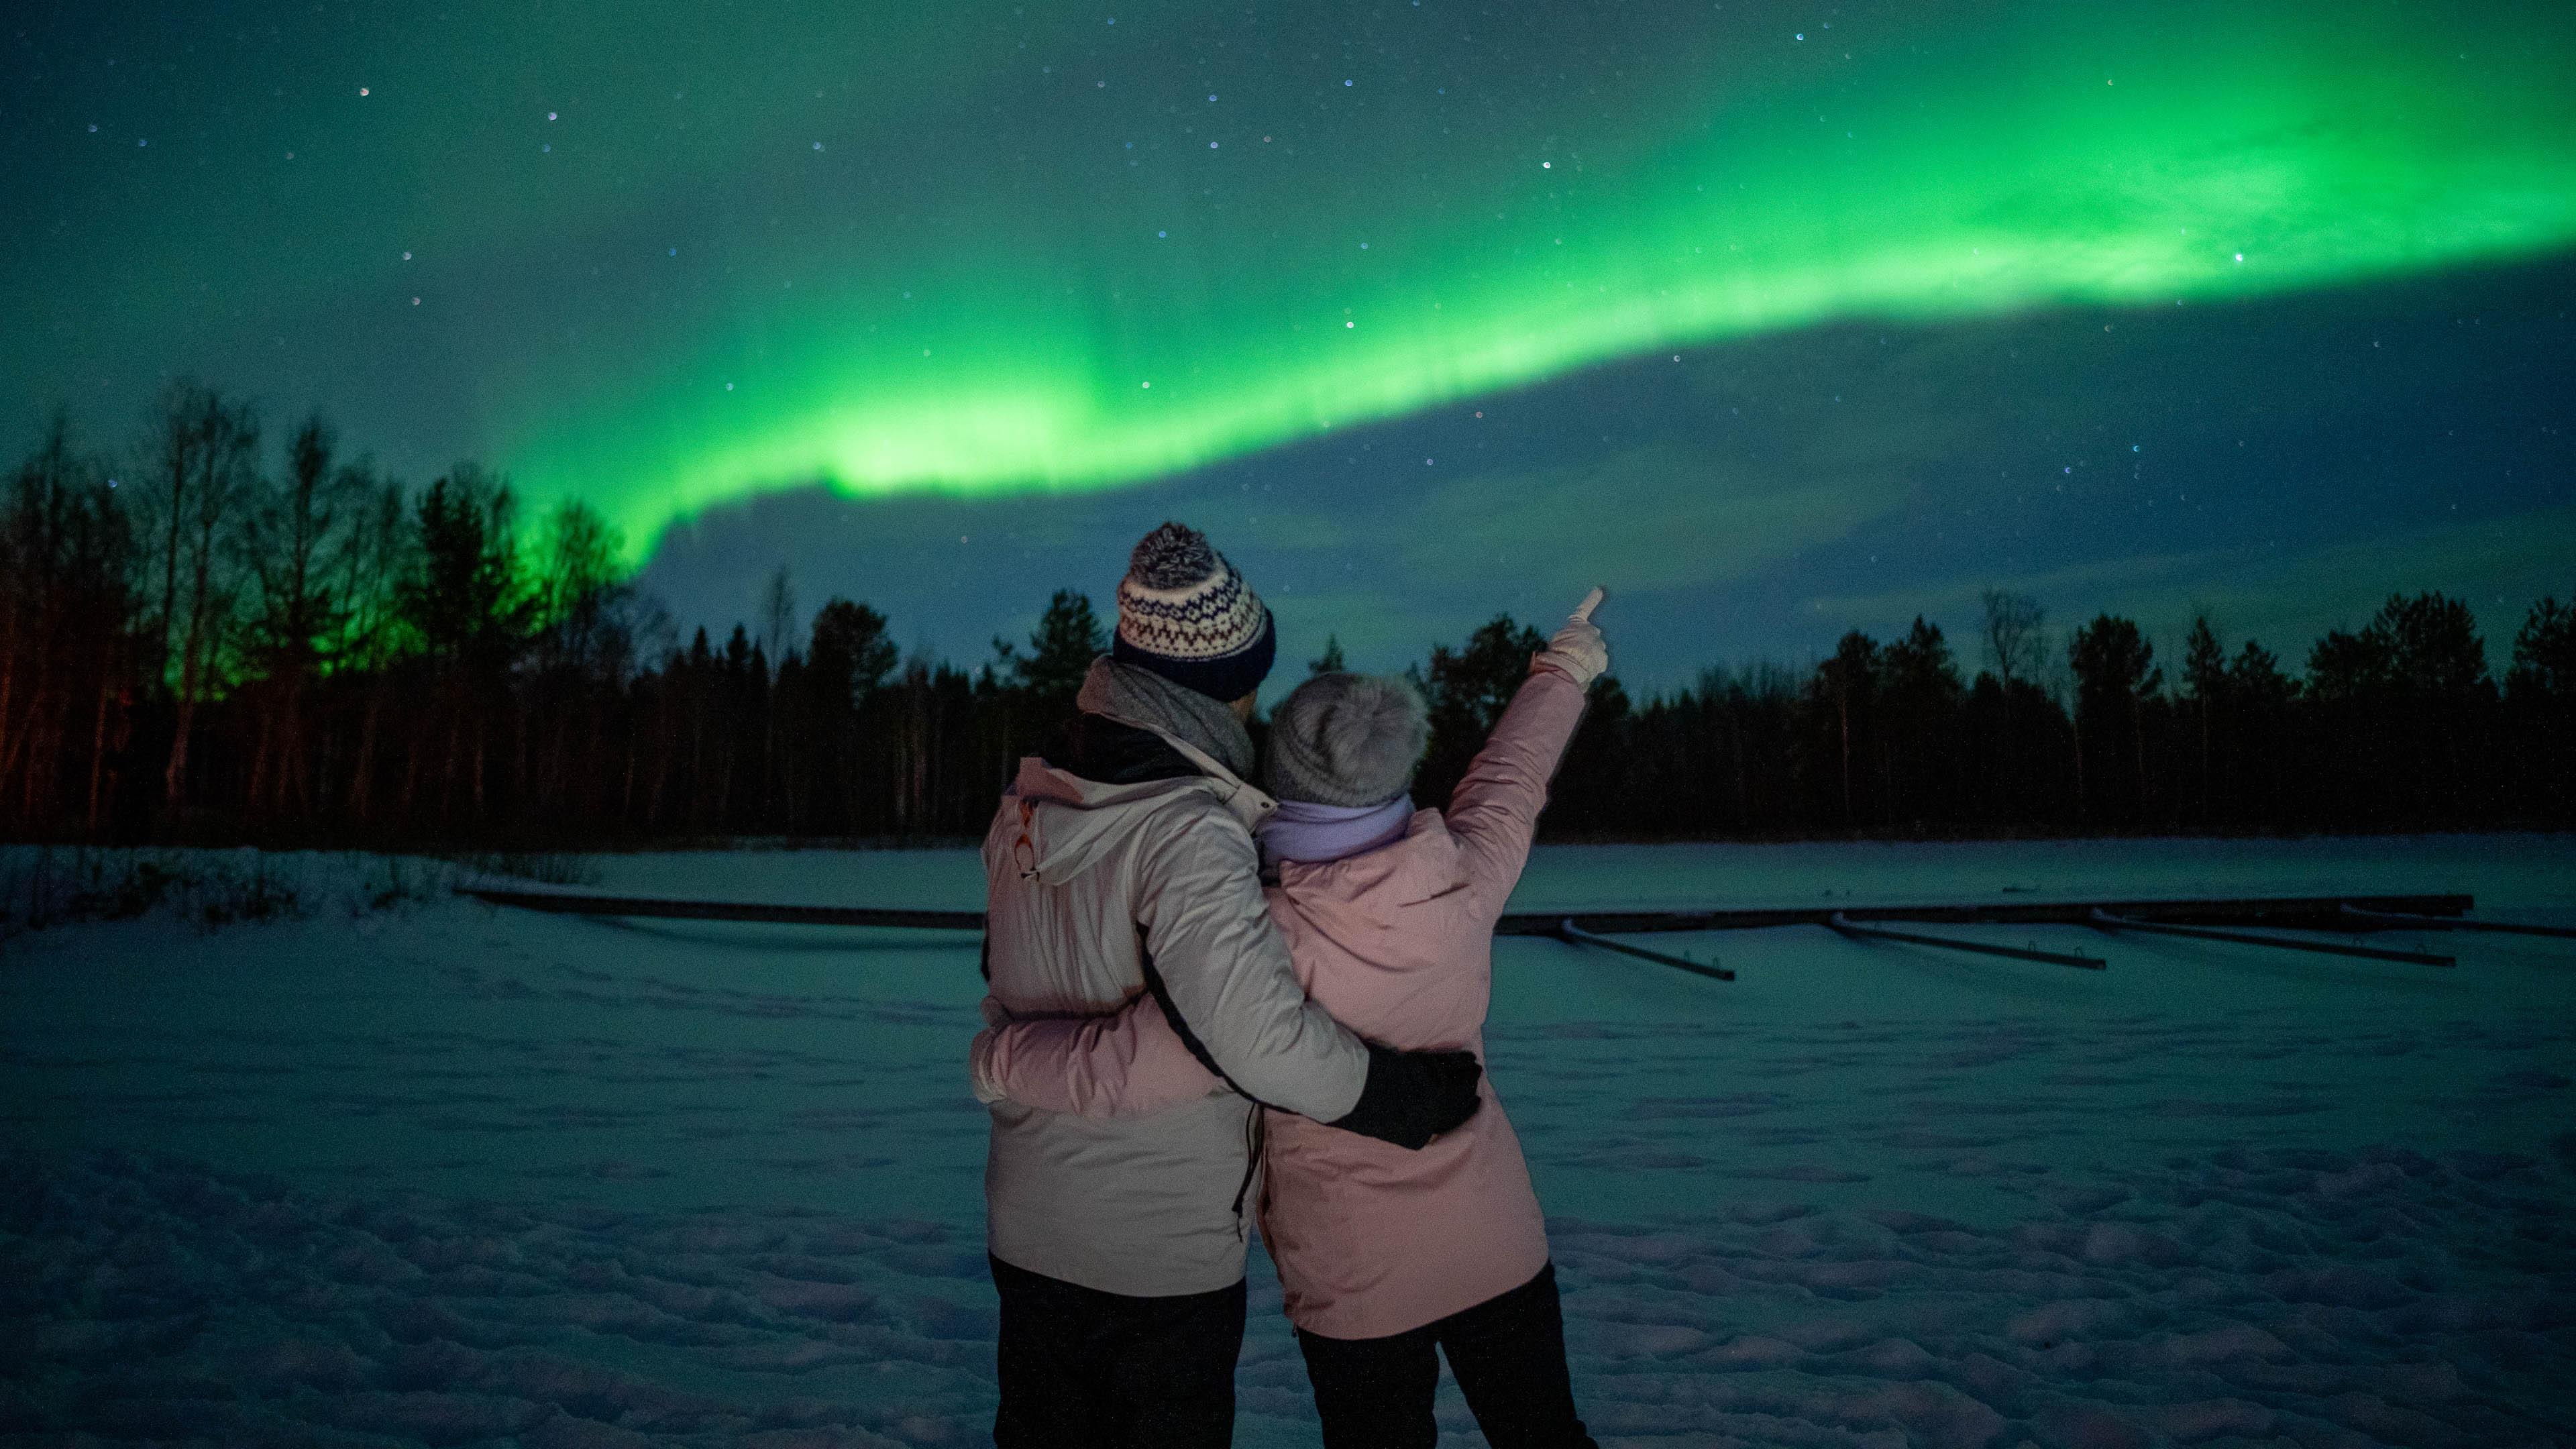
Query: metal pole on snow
point(2108, 922)
point(557, 903)
point(1844, 925)
point(1573, 934)
point(2376, 919)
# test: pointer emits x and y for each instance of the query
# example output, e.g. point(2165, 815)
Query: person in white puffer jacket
point(1121, 863)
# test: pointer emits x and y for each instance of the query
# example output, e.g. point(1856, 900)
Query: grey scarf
point(1143, 697)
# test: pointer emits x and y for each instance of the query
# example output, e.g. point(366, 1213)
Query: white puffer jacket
point(1089, 885)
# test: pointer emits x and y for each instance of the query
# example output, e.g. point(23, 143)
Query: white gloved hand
point(1577, 650)
point(995, 1014)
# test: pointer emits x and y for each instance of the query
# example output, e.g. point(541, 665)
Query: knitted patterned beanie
point(1185, 614)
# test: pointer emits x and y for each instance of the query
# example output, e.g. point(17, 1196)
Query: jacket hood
point(1109, 751)
point(1181, 716)
point(1068, 823)
point(1096, 775)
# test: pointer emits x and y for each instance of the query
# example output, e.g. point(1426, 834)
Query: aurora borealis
point(1290, 294)
point(1036, 270)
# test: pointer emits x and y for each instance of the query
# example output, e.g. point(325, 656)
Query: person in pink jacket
point(1383, 1253)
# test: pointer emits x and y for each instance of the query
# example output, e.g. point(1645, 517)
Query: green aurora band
point(1008, 319)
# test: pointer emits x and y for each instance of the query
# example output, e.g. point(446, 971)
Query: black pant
point(1507, 1353)
point(1081, 1368)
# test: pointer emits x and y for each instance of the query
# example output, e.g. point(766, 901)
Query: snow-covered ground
point(454, 1175)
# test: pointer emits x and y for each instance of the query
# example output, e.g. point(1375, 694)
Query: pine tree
point(1068, 637)
point(1923, 701)
point(1466, 689)
point(2204, 669)
point(1842, 700)
point(2544, 654)
point(472, 614)
point(2541, 687)
point(2115, 674)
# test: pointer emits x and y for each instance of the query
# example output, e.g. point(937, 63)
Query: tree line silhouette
point(196, 647)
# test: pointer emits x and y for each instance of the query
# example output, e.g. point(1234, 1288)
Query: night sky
point(1779, 319)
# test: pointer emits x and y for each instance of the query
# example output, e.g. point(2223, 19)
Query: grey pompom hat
point(1347, 739)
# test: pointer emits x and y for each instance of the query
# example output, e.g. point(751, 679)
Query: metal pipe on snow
point(1844, 925)
point(2106, 921)
point(2377, 920)
point(1573, 934)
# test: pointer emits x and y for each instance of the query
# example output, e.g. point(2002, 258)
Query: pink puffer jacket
point(1397, 943)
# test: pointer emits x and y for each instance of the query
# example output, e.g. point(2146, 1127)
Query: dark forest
point(195, 646)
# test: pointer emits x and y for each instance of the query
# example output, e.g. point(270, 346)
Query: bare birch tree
point(209, 450)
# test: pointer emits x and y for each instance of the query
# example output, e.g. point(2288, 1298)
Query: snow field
point(460, 1176)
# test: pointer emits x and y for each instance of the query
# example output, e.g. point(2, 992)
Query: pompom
point(1173, 556)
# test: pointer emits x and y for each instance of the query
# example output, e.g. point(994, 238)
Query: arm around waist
point(1127, 1065)
point(1220, 968)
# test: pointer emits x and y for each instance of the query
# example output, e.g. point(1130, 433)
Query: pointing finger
point(1591, 601)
